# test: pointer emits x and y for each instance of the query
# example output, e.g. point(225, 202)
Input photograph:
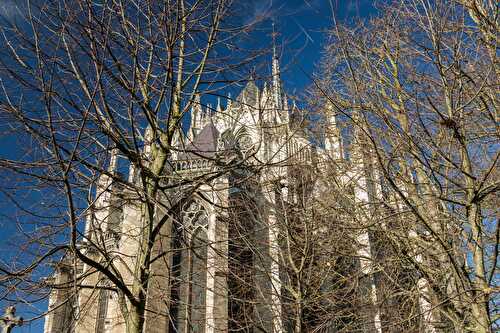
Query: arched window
point(191, 263)
point(102, 309)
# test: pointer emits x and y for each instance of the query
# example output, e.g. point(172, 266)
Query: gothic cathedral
point(223, 265)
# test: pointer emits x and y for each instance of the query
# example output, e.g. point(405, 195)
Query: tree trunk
point(480, 299)
point(135, 320)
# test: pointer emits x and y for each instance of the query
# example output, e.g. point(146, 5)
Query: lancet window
point(190, 263)
point(102, 311)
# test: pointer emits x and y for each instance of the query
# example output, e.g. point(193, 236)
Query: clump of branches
point(418, 86)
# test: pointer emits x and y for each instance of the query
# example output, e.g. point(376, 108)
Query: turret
point(148, 138)
point(100, 212)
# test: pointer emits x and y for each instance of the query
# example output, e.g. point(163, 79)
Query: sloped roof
point(204, 144)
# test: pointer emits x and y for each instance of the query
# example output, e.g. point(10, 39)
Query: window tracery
point(194, 215)
point(193, 269)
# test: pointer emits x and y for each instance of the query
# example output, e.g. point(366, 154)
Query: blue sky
point(301, 24)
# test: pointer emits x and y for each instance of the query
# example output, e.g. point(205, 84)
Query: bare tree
point(391, 226)
point(89, 89)
point(419, 87)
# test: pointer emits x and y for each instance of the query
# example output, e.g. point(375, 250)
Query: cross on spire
point(9, 320)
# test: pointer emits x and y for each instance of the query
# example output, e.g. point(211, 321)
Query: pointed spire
point(131, 173)
point(177, 143)
point(218, 108)
point(196, 117)
point(104, 195)
point(294, 122)
point(148, 140)
point(333, 141)
point(197, 109)
point(113, 160)
point(285, 115)
point(264, 96)
point(243, 100)
point(148, 134)
point(229, 102)
point(277, 98)
point(104, 180)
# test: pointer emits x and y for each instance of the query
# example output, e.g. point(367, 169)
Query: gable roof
point(203, 145)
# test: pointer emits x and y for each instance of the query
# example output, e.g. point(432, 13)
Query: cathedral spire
point(277, 98)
